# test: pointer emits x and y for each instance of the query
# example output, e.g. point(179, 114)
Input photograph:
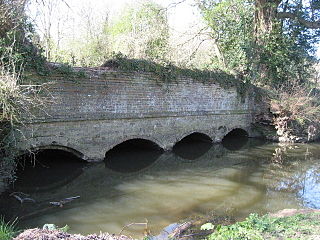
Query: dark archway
point(235, 139)
point(132, 155)
point(46, 169)
point(193, 146)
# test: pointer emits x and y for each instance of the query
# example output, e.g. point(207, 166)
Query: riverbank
point(285, 224)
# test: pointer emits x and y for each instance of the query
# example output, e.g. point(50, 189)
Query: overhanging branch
point(306, 23)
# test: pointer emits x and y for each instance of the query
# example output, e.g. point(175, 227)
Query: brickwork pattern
point(92, 115)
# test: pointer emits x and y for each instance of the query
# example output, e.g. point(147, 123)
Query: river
point(195, 180)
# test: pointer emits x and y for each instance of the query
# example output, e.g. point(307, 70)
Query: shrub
point(296, 108)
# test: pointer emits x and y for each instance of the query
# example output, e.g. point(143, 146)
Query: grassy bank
point(254, 227)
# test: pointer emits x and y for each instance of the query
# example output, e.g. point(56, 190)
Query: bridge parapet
point(91, 115)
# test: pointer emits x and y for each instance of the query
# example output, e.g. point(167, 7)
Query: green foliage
point(259, 228)
point(85, 51)
point(7, 230)
point(141, 32)
point(16, 54)
point(139, 18)
point(270, 59)
point(231, 26)
point(68, 71)
point(285, 60)
point(124, 23)
point(16, 46)
point(147, 238)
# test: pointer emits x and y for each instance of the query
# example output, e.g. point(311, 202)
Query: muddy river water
point(195, 179)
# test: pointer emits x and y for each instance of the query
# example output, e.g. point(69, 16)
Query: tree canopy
point(269, 42)
point(141, 32)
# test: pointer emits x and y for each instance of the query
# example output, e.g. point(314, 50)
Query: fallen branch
point(179, 230)
point(130, 224)
point(22, 197)
point(64, 201)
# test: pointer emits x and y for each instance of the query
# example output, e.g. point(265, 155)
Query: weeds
point(167, 72)
point(17, 102)
point(296, 112)
point(7, 230)
point(68, 71)
point(299, 226)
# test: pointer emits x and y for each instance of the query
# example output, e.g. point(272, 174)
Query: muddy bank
point(37, 234)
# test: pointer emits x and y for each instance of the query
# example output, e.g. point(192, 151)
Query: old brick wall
point(90, 116)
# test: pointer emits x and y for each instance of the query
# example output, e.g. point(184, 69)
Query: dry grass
point(297, 110)
point(297, 103)
point(17, 100)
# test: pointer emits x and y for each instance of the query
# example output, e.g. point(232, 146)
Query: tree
point(285, 37)
point(230, 24)
point(16, 34)
point(272, 41)
point(10, 14)
point(141, 32)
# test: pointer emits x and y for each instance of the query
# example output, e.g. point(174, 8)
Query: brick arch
point(122, 140)
point(229, 130)
point(132, 155)
point(73, 151)
point(181, 137)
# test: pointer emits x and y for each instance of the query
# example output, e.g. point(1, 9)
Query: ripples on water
point(166, 187)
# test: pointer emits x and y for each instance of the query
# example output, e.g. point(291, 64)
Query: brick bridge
point(89, 116)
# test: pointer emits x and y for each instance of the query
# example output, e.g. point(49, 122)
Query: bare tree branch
point(174, 4)
point(293, 16)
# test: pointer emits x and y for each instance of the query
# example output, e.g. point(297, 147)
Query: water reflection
point(235, 139)
point(46, 169)
point(303, 183)
point(310, 190)
point(193, 146)
point(233, 183)
point(132, 156)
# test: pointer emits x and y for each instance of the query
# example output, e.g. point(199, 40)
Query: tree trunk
point(264, 23)
point(265, 17)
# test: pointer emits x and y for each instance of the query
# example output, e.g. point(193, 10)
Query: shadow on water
point(193, 146)
point(221, 181)
point(46, 169)
point(132, 156)
point(235, 140)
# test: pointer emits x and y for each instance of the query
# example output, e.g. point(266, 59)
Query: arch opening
point(132, 155)
point(235, 139)
point(193, 146)
point(46, 169)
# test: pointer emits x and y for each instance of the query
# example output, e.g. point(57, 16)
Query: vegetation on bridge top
point(164, 72)
point(168, 72)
